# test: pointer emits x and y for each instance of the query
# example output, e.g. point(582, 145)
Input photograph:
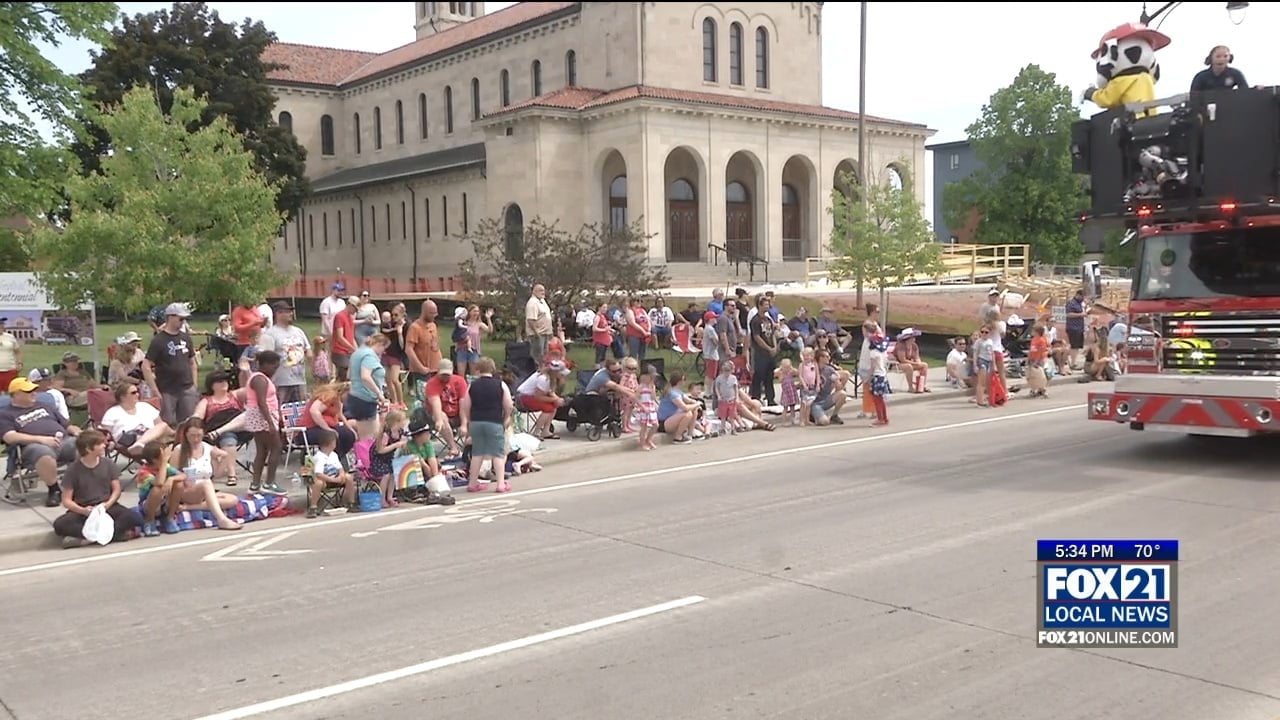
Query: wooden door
point(792, 245)
point(739, 238)
point(682, 231)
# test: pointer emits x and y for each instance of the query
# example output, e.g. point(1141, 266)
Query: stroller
point(597, 412)
point(1017, 346)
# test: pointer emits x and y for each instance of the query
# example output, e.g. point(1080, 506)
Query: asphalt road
point(837, 573)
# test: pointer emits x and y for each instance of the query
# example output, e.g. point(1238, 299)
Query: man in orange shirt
point(422, 348)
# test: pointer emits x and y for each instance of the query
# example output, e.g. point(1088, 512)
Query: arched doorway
point(895, 177)
point(792, 241)
point(513, 231)
point(739, 236)
point(742, 194)
point(612, 178)
point(682, 185)
point(846, 179)
point(682, 222)
point(798, 223)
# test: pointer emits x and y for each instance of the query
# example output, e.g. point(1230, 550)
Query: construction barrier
point(318, 286)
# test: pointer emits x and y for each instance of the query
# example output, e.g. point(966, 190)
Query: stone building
point(703, 120)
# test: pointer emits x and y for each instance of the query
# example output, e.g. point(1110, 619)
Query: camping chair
point(686, 355)
point(330, 495)
point(99, 402)
point(295, 436)
point(362, 468)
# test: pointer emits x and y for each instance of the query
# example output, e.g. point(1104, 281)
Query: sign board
point(31, 317)
point(1059, 314)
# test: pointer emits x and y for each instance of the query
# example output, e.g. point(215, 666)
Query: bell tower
point(436, 17)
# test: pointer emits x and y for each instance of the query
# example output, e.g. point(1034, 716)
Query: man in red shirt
point(444, 398)
point(344, 339)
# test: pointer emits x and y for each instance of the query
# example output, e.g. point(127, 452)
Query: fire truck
point(1197, 187)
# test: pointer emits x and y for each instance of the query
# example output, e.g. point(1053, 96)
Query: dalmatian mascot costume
point(1127, 72)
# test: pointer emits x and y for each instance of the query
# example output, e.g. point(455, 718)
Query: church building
point(703, 121)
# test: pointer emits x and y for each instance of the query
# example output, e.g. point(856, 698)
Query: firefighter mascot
point(1126, 67)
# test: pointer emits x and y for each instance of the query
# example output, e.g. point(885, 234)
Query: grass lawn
point(582, 355)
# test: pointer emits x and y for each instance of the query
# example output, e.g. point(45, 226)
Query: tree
point(31, 170)
point(595, 261)
point(191, 47)
point(174, 213)
point(1026, 192)
point(1116, 252)
point(882, 238)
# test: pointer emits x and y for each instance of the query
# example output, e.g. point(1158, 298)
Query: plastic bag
point(99, 527)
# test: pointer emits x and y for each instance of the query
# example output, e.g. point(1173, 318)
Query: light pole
point(1234, 10)
point(862, 130)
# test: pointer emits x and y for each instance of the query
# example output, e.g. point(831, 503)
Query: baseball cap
point(39, 375)
point(179, 309)
point(709, 316)
point(69, 356)
point(339, 286)
point(281, 305)
point(21, 384)
point(445, 367)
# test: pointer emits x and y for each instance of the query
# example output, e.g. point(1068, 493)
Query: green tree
point(190, 46)
point(1026, 192)
point(174, 213)
point(594, 262)
point(883, 239)
point(1116, 252)
point(31, 171)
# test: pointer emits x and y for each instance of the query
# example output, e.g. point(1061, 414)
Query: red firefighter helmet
point(1155, 38)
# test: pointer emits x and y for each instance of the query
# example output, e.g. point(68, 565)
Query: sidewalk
point(29, 527)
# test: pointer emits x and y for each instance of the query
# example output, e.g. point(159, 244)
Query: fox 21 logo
point(1121, 583)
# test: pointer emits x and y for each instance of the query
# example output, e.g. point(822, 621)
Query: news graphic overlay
point(1107, 593)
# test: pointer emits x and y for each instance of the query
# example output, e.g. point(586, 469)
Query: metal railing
point(961, 263)
point(738, 260)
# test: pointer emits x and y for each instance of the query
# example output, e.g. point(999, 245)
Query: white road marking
point(444, 662)
point(253, 549)
point(224, 537)
point(485, 511)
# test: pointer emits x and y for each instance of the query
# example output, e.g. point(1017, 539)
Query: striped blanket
point(250, 508)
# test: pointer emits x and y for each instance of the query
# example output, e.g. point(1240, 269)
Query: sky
point(930, 63)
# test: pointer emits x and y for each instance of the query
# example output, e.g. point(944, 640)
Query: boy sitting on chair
point(326, 471)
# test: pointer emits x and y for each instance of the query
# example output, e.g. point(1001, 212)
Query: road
point(835, 573)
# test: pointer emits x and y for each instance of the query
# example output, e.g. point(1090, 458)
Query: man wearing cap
point(330, 307)
point(838, 338)
point(171, 369)
point(74, 381)
point(294, 348)
point(47, 440)
point(45, 392)
point(444, 393)
point(10, 354)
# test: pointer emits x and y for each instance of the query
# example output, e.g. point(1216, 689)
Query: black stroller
point(597, 412)
point(1017, 347)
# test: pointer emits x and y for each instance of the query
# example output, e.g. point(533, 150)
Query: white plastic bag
point(99, 527)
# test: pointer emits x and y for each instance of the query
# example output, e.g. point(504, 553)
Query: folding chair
point(330, 495)
point(295, 436)
point(99, 402)
point(686, 355)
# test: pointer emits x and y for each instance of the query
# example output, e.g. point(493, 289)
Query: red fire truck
point(1198, 187)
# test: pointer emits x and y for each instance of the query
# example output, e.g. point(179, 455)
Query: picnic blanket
point(251, 507)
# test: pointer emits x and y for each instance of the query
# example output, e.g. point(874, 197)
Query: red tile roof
point(577, 98)
point(330, 66)
point(313, 65)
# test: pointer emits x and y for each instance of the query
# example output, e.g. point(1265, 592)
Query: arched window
point(422, 115)
point(475, 98)
point(504, 84)
point(326, 135)
point(735, 54)
point(448, 109)
point(377, 128)
point(399, 123)
point(513, 229)
point(535, 73)
point(895, 178)
point(681, 190)
point(618, 203)
point(789, 196)
point(709, 50)
point(571, 68)
point(355, 122)
point(762, 57)
point(736, 192)
point(286, 121)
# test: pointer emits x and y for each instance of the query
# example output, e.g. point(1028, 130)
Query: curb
point(44, 539)
point(905, 398)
